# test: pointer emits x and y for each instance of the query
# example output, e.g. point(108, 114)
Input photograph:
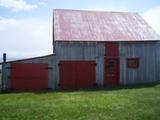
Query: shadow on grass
point(107, 88)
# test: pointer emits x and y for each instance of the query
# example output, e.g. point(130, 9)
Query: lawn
point(138, 103)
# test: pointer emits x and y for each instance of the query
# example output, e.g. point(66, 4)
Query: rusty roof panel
point(76, 25)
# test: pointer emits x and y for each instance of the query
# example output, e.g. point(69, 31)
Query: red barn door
point(111, 71)
point(29, 76)
point(67, 75)
point(77, 74)
point(111, 77)
point(85, 72)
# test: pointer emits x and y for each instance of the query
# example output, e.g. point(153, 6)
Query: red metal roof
point(78, 25)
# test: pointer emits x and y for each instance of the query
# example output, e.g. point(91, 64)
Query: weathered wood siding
point(147, 52)
point(81, 51)
point(149, 57)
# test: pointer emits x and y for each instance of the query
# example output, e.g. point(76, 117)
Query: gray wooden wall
point(149, 58)
point(148, 53)
point(81, 51)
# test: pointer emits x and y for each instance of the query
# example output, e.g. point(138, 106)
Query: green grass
point(141, 103)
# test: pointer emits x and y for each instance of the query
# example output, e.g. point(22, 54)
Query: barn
point(91, 49)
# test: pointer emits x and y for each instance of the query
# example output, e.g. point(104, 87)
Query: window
point(111, 66)
point(132, 62)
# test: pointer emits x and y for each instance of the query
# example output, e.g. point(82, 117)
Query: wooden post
point(3, 71)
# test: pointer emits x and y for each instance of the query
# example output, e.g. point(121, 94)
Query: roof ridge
point(94, 10)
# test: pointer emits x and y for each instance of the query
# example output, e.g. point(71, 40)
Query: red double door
point(77, 74)
point(112, 66)
point(27, 76)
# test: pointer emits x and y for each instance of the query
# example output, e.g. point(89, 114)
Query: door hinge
point(59, 64)
point(10, 67)
point(50, 68)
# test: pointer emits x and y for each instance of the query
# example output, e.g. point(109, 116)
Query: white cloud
point(17, 5)
point(42, 3)
point(152, 16)
point(25, 37)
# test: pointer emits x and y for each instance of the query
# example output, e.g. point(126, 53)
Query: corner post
point(3, 71)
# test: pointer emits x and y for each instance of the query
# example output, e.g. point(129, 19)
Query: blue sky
point(26, 25)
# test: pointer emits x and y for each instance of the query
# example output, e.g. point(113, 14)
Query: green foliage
point(123, 104)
